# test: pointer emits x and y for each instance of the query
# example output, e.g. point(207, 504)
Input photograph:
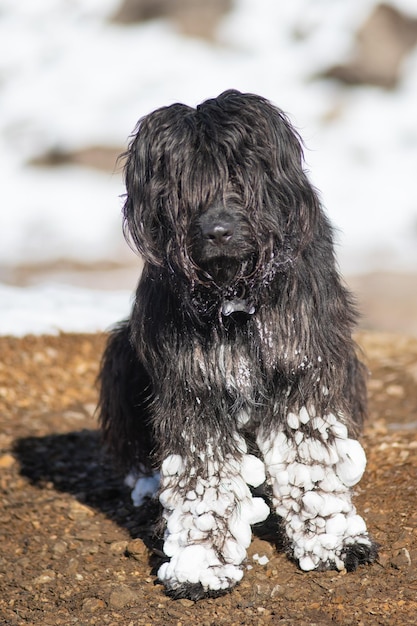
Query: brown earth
point(74, 551)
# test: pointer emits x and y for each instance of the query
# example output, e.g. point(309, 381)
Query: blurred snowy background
point(75, 76)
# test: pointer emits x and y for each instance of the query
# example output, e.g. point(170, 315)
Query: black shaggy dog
point(237, 365)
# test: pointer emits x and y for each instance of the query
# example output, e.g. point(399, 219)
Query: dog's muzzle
point(218, 232)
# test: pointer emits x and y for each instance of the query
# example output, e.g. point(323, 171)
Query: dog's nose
point(218, 233)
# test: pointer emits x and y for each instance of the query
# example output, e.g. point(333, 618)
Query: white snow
point(313, 496)
point(70, 78)
point(253, 470)
point(352, 463)
point(262, 560)
point(208, 530)
point(293, 421)
point(53, 308)
point(142, 487)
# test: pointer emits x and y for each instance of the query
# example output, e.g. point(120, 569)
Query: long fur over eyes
point(181, 160)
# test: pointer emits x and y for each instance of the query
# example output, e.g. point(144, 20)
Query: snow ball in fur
point(296, 523)
point(304, 415)
point(329, 541)
point(201, 508)
point(145, 486)
point(312, 449)
point(169, 498)
point(276, 449)
point(189, 561)
point(175, 521)
point(317, 473)
point(319, 522)
point(333, 504)
point(253, 470)
point(186, 565)
point(312, 503)
point(336, 525)
point(298, 437)
point(233, 573)
point(331, 482)
point(340, 430)
point(306, 563)
point(210, 496)
point(220, 506)
point(355, 525)
point(282, 478)
point(205, 522)
point(293, 421)
point(300, 476)
point(232, 552)
point(241, 530)
point(172, 465)
point(255, 510)
point(352, 463)
point(239, 488)
point(172, 545)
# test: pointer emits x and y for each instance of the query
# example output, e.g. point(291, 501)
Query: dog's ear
point(153, 161)
point(298, 198)
point(288, 190)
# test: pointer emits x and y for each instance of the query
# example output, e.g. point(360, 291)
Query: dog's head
point(218, 193)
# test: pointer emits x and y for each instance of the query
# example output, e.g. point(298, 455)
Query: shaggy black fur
point(239, 264)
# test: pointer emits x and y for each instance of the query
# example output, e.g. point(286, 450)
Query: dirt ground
point(74, 551)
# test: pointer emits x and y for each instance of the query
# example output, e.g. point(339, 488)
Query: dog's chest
point(235, 368)
point(240, 363)
point(226, 367)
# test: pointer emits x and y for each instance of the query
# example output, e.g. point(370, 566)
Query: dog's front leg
point(208, 509)
point(312, 465)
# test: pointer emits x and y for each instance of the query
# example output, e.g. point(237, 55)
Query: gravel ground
point(74, 551)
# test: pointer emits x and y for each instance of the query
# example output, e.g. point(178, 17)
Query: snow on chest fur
point(208, 519)
point(226, 365)
point(235, 369)
point(311, 476)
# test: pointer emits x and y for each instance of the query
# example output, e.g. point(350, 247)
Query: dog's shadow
point(75, 463)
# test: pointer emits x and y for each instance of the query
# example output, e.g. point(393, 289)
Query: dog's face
point(218, 193)
point(221, 240)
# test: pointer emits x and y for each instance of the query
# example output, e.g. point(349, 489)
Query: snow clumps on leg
point(208, 521)
point(312, 465)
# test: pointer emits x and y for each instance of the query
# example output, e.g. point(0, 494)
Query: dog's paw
point(195, 592)
point(338, 542)
point(327, 552)
point(197, 572)
point(359, 554)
